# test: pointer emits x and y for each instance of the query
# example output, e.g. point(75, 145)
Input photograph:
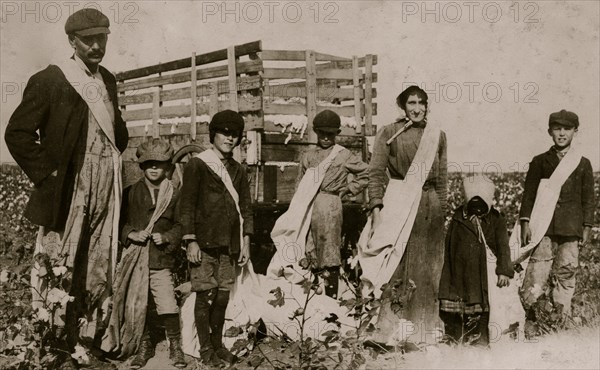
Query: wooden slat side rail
point(167, 130)
point(222, 87)
point(270, 184)
point(299, 56)
point(302, 84)
point(311, 93)
point(283, 153)
point(325, 91)
point(297, 73)
point(357, 91)
point(289, 153)
point(271, 127)
point(155, 114)
point(342, 74)
point(275, 138)
point(369, 111)
point(283, 55)
point(180, 77)
point(319, 67)
point(296, 55)
point(287, 73)
point(361, 62)
point(329, 57)
point(193, 98)
point(184, 128)
point(267, 89)
point(175, 111)
point(233, 95)
point(335, 74)
point(213, 101)
point(232, 72)
point(299, 110)
point(211, 57)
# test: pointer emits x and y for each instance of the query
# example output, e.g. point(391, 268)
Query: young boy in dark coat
point(553, 264)
point(475, 227)
point(217, 235)
point(139, 203)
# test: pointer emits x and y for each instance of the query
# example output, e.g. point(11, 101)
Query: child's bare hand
point(245, 252)
point(193, 253)
point(503, 281)
point(139, 236)
point(525, 233)
point(158, 239)
point(586, 238)
point(376, 216)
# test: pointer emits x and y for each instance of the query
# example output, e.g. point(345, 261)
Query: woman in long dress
point(411, 293)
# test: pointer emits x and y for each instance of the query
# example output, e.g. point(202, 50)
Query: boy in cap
point(217, 223)
point(556, 217)
point(59, 136)
point(324, 243)
point(476, 230)
point(150, 210)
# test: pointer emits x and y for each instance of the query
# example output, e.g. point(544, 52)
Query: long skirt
point(411, 309)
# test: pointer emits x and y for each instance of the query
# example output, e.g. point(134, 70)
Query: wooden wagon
point(277, 91)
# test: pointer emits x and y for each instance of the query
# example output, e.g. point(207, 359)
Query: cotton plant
point(34, 327)
point(4, 276)
point(58, 296)
point(80, 355)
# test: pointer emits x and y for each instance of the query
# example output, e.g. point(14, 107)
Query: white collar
point(85, 68)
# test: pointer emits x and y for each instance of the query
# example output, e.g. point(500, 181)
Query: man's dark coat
point(51, 106)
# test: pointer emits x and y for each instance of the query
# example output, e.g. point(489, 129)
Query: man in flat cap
point(556, 217)
point(67, 135)
point(217, 221)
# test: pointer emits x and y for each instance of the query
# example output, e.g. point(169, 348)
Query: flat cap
point(327, 121)
point(154, 150)
point(227, 121)
point(86, 22)
point(565, 118)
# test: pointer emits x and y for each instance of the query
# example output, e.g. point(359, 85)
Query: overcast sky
point(494, 70)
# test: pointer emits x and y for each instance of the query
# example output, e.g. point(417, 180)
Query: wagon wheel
point(184, 154)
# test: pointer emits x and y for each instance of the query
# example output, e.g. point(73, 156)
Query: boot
point(531, 329)
point(453, 326)
point(176, 353)
point(204, 300)
point(144, 353)
point(172, 327)
point(217, 320)
point(68, 364)
point(483, 330)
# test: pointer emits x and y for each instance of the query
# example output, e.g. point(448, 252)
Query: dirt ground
point(574, 349)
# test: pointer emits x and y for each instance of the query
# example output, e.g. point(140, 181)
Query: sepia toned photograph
point(309, 184)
